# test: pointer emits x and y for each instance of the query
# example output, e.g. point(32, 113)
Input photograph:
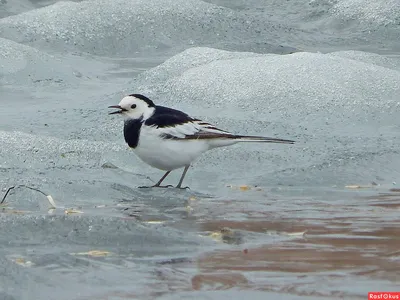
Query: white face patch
point(135, 108)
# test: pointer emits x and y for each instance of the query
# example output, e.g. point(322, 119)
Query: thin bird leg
point(158, 184)
point(183, 176)
point(161, 180)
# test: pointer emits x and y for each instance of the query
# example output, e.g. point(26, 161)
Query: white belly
point(169, 154)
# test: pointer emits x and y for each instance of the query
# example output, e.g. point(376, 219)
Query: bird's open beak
point(117, 111)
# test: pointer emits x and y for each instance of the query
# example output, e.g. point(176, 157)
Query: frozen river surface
point(318, 219)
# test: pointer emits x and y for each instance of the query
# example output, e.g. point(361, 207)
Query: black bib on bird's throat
point(132, 131)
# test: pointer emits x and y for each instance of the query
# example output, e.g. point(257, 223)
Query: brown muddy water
point(334, 250)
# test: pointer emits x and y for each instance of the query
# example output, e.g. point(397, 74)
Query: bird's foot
point(182, 188)
point(159, 186)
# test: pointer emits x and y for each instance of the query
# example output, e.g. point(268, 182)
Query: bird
point(169, 139)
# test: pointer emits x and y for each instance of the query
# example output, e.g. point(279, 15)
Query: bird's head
point(134, 106)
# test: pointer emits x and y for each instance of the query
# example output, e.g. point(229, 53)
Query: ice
point(307, 82)
point(191, 58)
point(362, 22)
point(229, 294)
point(328, 25)
point(20, 64)
point(125, 27)
point(166, 27)
point(372, 11)
point(11, 7)
point(391, 62)
point(23, 153)
point(35, 145)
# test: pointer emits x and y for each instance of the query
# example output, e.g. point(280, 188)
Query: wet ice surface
point(259, 220)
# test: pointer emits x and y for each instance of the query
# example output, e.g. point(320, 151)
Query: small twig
point(4, 198)
point(17, 186)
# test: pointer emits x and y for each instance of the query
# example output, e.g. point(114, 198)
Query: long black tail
point(261, 139)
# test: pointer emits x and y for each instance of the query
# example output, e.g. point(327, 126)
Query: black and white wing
point(183, 127)
point(173, 124)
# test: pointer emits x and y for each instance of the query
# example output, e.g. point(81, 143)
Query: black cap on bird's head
point(144, 98)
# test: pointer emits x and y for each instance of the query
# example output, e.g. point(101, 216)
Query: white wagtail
point(168, 139)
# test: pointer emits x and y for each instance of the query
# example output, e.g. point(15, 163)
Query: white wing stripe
point(183, 130)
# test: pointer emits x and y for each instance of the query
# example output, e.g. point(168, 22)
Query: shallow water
point(317, 219)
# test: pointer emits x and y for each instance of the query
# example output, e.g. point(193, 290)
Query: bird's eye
point(133, 106)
